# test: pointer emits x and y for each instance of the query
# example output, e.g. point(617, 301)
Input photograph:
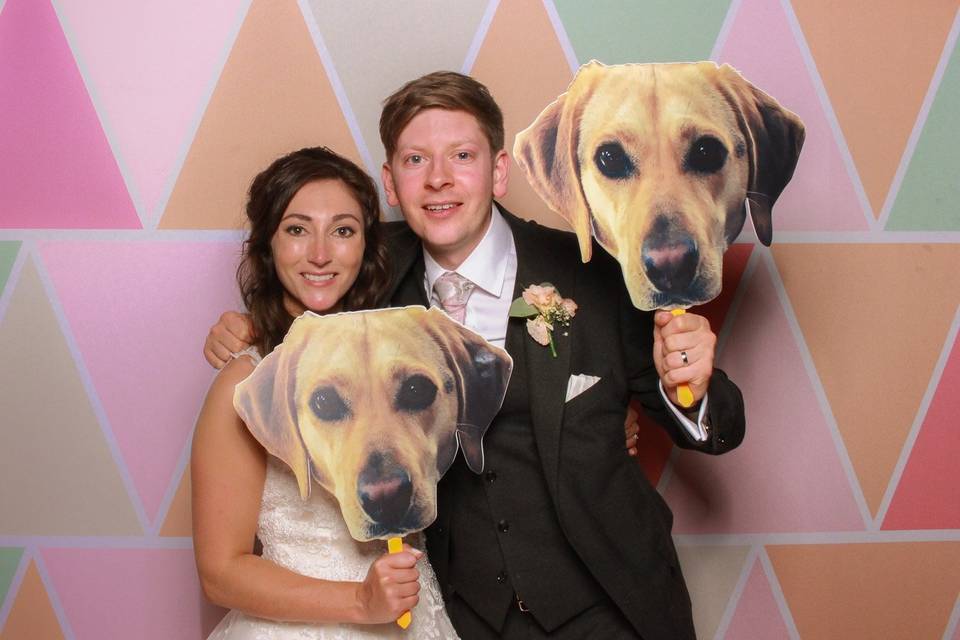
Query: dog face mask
point(373, 406)
point(660, 163)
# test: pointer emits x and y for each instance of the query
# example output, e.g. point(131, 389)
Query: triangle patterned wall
point(131, 130)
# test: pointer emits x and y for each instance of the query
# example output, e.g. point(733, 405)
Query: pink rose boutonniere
point(544, 308)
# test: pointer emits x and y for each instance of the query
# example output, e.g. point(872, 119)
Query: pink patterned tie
point(452, 291)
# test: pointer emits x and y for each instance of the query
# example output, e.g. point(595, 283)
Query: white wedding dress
point(311, 538)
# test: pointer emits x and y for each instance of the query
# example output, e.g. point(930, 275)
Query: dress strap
point(251, 352)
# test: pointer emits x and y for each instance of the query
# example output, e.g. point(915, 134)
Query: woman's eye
point(296, 230)
point(344, 232)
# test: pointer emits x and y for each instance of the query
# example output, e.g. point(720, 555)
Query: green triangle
point(9, 561)
point(8, 253)
point(617, 32)
point(929, 197)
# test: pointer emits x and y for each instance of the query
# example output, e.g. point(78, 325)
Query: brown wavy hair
point(269, 195)
point(440, 90)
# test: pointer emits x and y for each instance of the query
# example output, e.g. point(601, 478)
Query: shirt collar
point(485, 266)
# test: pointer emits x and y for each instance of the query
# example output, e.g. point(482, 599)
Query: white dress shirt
point(492, 267)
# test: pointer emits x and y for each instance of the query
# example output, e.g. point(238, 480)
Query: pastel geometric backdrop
point(129, 130)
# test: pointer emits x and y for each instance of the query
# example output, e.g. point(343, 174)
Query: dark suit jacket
point(611, 515)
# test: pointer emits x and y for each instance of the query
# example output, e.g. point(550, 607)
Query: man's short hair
point(440, 90)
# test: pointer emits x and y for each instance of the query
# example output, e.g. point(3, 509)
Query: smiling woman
point(314, 245)
point(314, 232)
point(318, 247)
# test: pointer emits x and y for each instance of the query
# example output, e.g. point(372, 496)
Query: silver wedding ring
point(683, 356)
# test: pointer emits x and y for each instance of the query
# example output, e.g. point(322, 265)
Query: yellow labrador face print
point(373, 406)
point(660, 164)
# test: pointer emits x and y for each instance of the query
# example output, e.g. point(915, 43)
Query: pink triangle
point(130, 593)
point(786, 476)
point(821, 196)
point(925, 497)
point(757, 614)
point(152, 94)
point(139, 312)
point(56, 169)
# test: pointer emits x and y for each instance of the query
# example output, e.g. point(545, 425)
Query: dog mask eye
point(416, 393)
point(327, 405)
point(613, 161)
point(706, 155)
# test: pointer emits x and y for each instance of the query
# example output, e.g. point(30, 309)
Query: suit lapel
point(546, 376)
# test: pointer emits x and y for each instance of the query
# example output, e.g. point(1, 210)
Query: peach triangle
point(57, 169)
point(757, 614)
point(821, 196)
point(54, 450)
point(876, 62)
point(788, 442)
point(895, 591)
point(272, 97)
point(179, 521)
point(923, 500)
point(521, 30)
point(711, 573)
point(874, 318)
point(32, 616)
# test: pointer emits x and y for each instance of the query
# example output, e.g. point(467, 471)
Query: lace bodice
point(311, 538)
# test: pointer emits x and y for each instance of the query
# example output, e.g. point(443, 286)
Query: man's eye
point(416, 393)
point(464, 155)
point(327, 405)
point(415, 159)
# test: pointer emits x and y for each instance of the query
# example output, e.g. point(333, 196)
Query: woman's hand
point(391, 586)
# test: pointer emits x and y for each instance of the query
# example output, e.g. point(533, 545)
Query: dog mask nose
point(385, 490)
point(670, 257)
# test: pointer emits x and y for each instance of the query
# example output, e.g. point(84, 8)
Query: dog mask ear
point(774, 138)
point(265, 402)
point(483, 372)
point(546, 152)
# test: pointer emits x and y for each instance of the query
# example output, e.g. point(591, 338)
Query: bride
point(314, 245)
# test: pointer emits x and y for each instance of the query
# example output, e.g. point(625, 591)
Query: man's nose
point(439, 175)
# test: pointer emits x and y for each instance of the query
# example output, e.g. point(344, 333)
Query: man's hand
point(232, 333)
point(391, 586)
point(683, 350)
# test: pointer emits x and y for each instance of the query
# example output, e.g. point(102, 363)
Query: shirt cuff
point(699, 431)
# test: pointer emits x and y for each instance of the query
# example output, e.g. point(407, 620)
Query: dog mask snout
point(670, 257)
point(385, 490)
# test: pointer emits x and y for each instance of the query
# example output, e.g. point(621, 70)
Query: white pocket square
point(578, 383)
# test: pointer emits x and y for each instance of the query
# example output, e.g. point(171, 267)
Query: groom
point(562, 536)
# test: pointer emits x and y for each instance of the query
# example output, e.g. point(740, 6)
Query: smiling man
point(562, 536)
